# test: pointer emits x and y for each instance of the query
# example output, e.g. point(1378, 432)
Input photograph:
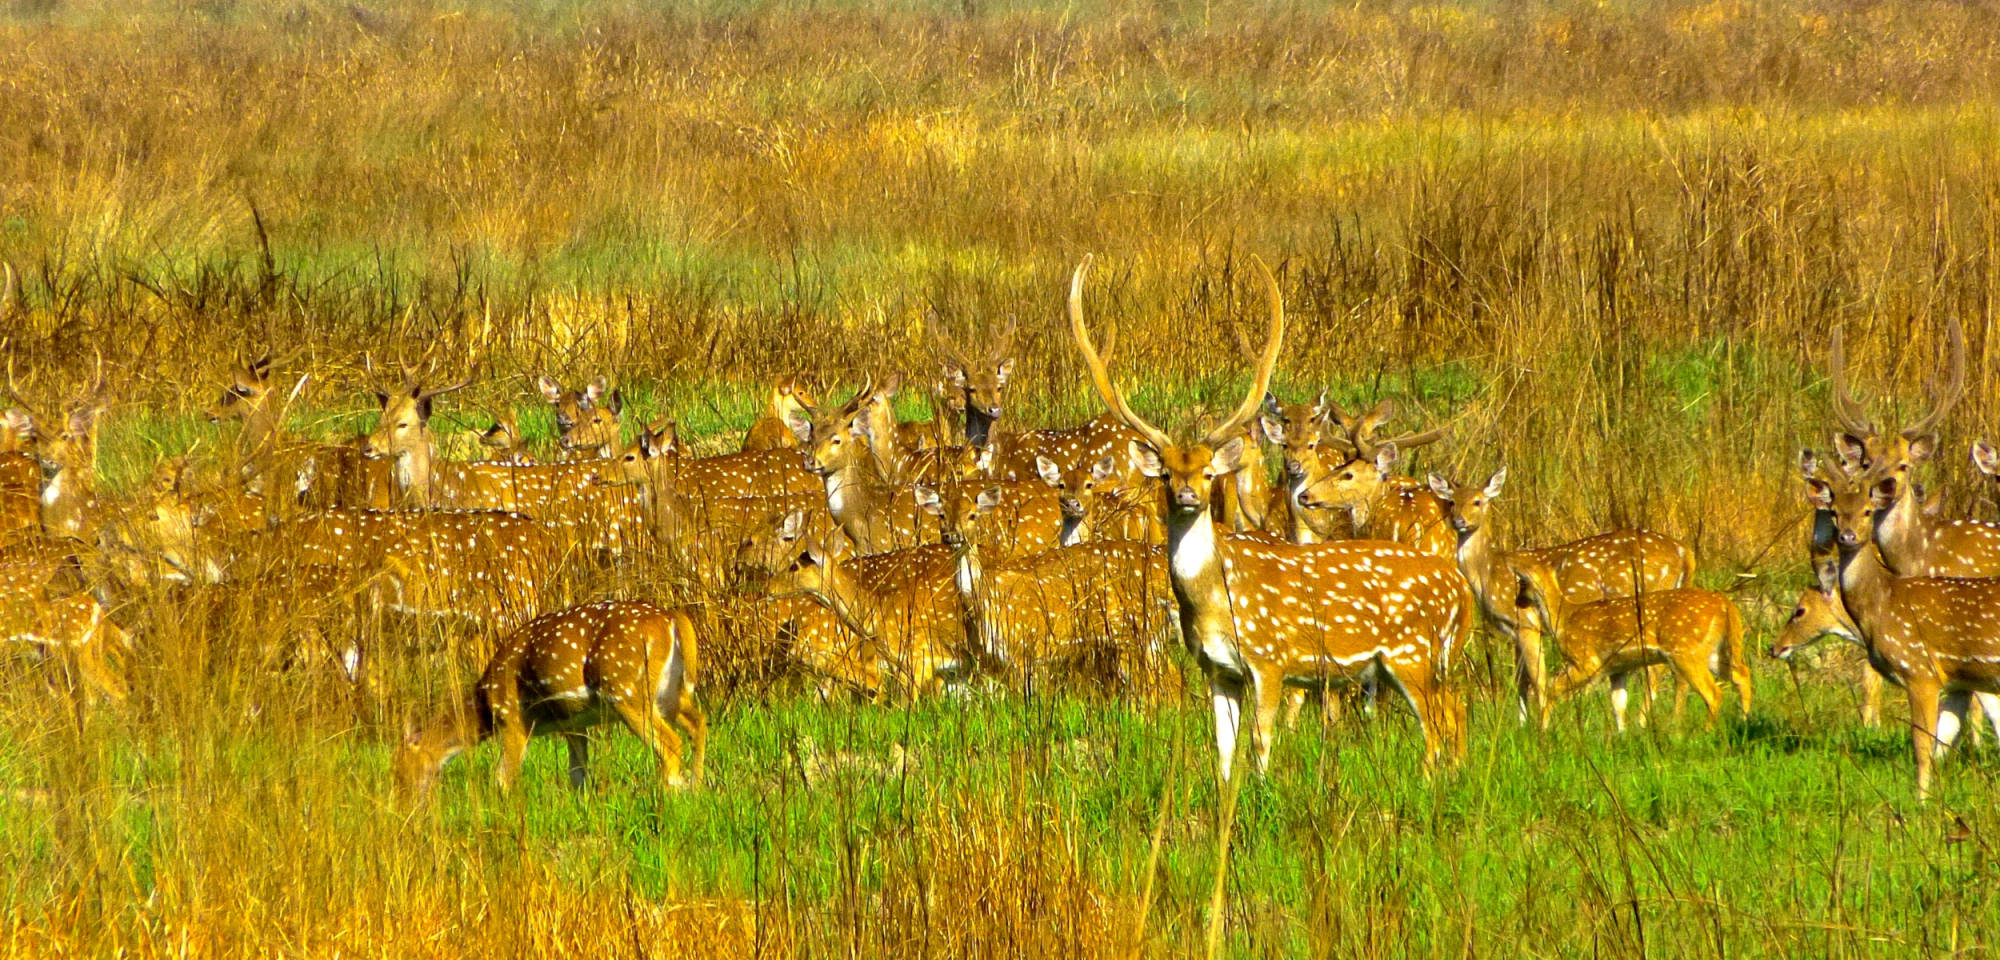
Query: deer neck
point(415, 478)
point(259, 437)
point(1902, 535)
point(855, 496)
point(1194, 550)
point(664, 503)
point(1865, 581)
point(854, 604)
point(980, 428)
point(1074, 530)
point(1476, 561)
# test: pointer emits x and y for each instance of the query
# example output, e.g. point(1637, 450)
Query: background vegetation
point(1606, 240)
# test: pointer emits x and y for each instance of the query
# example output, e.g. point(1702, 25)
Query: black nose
point(1294, 470)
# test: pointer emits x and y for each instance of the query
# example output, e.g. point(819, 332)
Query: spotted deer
point(587, 420)
point(772, 430)
point(979, 381)
point(1698, 633)
point(904, 604)
point(568, 671)
point(604, 519)
point(1608, 566)
point(504, 442)
point(1938, 638)
point(704, 531)
point(1380, 504)
point(73, 626)
point(1095, 506)
point(1106, 600)
point(19, 469)
point(287, 470)
point(1824, 555)
point(1257, 614)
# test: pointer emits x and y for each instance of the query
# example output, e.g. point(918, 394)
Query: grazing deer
point(1608, 566)
point(1258, 615)
point(904, 604)
point(1095, 507)
point(1060, 606)
point(1936, 637)
point(772, 431)
point(1699, 633)
point(566, 672)
point(75, 626)
point(587, 420)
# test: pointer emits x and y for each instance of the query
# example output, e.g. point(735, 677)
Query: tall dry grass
point(1606, 241)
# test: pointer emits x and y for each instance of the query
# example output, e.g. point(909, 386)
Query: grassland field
point(1605, 241)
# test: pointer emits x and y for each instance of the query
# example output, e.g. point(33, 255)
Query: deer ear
point(424, 409)
point(1984, 457)
point(835, 547)
point(1006, 370)
point(1440, 488)
point(1808, 463)
point(792, 526)
point(1923, 447)
point(1884, 493)
point(1274, 428)
point(597, 388)
point(1228, 458)
point(927, 500)
point(863, 430)
point(552, 390)
point(988, 500)
point(1386, 455)
point(1322, 408)
point(616, 404)
point(800, 423)
point(1050, 473)
point(381, 399)
point(1819, 494)
point(1494, 483)
point(1102, 469)
point(1852, 451)
point(1148, 459)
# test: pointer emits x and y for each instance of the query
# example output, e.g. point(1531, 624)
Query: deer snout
point(1294, 470)
point(1849, 539)
point(1071, 507)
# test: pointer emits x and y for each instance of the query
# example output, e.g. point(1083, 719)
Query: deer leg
point(1923, 693)
point(1951, 718)
point(1573, 678)
point(1269, 689)
point(1619, 697)
point(1989, 706)
point(1419, 689)
point(1694, 670)
point(1531, 677)
point(1225, 695)
point(653, 730)
point(513, 739)
point(1871, 697)
point(579, 757)
point(694, 723)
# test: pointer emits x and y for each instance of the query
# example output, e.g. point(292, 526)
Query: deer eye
point(1349, 475)
point(1800, 612)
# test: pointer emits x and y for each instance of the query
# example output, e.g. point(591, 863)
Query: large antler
point(1942, 400)
point(1266, 362)
point(1004, 343)
point(1846, 412)
point(1099, 376)
point(952, 354)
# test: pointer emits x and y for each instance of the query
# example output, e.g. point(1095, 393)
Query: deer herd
point(888, 558)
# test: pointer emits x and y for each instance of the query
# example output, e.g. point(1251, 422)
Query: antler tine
point(1420, 439)
point(1266, 363)
point(1004, 343)
point(7, 292)
point(1100, 377)
point(462, 384)
point(1846, 412)
point(1943, 400)
point(944, 343)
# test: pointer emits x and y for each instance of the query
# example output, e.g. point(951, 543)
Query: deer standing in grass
point(1824, 555)
point(1057, 608)
point(1608, 566)
point(74, 626)
point(1938, 638)
point(772, 430)
point(566, 672)
point(1259, 615)
point(1698, 633)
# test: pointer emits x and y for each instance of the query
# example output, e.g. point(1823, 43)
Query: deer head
point(1861, 445)
point(586, 419)
point(978, 379)
point(1188, 471)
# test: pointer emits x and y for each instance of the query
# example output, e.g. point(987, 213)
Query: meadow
point(1606, 242)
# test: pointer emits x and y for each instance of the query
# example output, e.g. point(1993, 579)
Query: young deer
point(504, 443)
point(772, 431)
point(1604, 567)
point(1936, 637)
point(1258, 615)
point(1056, 608)
point(1824, 555)
point(587, 420)
point(566, 672)
point(1699, 633)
